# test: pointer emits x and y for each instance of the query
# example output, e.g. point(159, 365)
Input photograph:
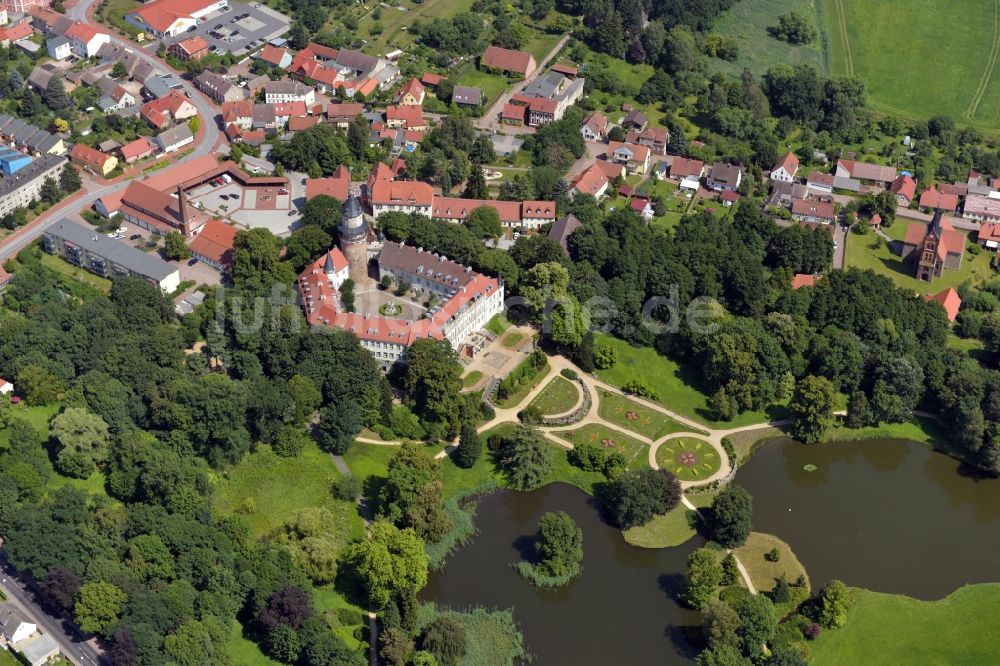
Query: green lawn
point(76, 273)
point(764, 572)
point(393, 21)
point(38, 417)
point(630, 77)
point(512, 340)
point(498, 324)
point(492, 85)
point(954, 630)
point(244, 651)
point(471, 379)
point(746, 23)
point(524, 389)
point(279, 487)
point(539, 44)
point(902, 50)
point(558, 397)
point(328, 601)
point(688, 459)
point(865, 252)
point(114, 15)
point(665, 531)
point(671, 382)
point(631, 415)
point(636, 453)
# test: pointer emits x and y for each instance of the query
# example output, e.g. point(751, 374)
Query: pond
point(621, 605)
point(887, 515)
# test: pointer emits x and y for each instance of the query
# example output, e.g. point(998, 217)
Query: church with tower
point(463, 300)
point(933, 247)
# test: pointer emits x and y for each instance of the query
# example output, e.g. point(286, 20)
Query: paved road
point(209, 135)
point(840, 237)
point(66, 636)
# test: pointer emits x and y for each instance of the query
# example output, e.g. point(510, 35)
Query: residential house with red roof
point(813, 212)
point(407, 117)
point(509, 61)
point(937, 199)
point(192, 48)
point(343, 114)
point(15, 32)
point(821, 182)
point(431, 80)
point(933, 247)
point(353, 71)
point(411, 94)
point(275, 56)
point(6, 388)
point(594, 127)
point(643, 207)
point(93, 159)
point(174, 107)
point(687, 172)
point(989, 236)
point(784, 171)
point(512, 114)
point(86, 40)
point(872, 174)
point(214, 245)
point(137, 150)
point(655, 138)
point(905, 188)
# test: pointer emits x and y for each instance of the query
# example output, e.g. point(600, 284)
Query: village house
point(174, 138)
point(594, 127)
point(466, 96)
point(821, 182)
point(634, 158)
point(643, 207)
point(213, 245)
point(864, 173)
point(725, 177)
point(982, 209)
point(785, 169)
point(635, 120)
point(813, 212)
point(342, 115)
point(655, 138)
point(596, 178)
point(353, 71)
point(275, 56)
point(286, 90)
point(93, 159)
point(137, 150)
point(905, 188)
point(411, 94)
point(520, 63)
point(58, 47)
point(192, 48)
point(937, 199)
point(86, 40)
point(687, 172)
point(407, 117)
point(512, 114)
point(169, 18)
point(219, 88)
point(562, 228)
point(933, 247)
point(174, 107)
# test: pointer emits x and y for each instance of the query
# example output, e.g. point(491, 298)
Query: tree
point(445, 639)
point(835, 601)
point(55, 94)
point(605, 357)
point(119, 71)
point(357, 136)
point(730, 570)
point(257, 263)
point(339, 423)
point(812, 407)
point(322, 211)
point(732, 510)
point(758, 622)
point(475, 186)
point(412, 494)
point(433, 382)
point(311, 538)
point(306, 396)
point(50, 191)
point(391, 562)
point(305, 245)
point(69, 179)
point(638, 495)
point(793, 28)
point(298, 36)
point(525, 458)
point(175, 248)
point(290, 441)
point(470, 447)
point(704, 574)
point(98, 606)
point(559, 545)
point(83, 440)
point(484, 222)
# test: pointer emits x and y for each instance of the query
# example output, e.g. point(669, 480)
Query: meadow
point(747, 23)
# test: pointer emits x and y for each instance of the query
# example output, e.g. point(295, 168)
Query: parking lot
point(268, 207)
point(240, 29)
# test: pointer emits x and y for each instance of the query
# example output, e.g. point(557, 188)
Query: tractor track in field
point(984, 82)
point(844, 38)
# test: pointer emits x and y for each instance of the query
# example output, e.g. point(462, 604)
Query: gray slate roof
point(114, 251)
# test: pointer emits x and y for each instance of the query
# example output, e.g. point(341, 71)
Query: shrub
point(530, 415)
point(730, 570)
point(812, 632)
point(586, 456)
point(772, 555)
point(605, 357)
point(487, 411)
point(445, 639)
point(782, 592)
point(568, 373)
point(290, 441)
point(347, 488)
point(727, 446)
point(640, 388)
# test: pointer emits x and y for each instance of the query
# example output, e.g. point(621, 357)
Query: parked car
point(192, 261)
point(121, 230)
point(282, 191)
point(192, 28)
point(217, 27)
point(135, 237)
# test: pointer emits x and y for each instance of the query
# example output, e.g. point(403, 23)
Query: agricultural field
point(747, 23)
point(901, 49)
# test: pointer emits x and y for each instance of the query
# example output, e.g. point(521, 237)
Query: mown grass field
point(559, 396)
point(746, 23)
point(672, 383)
point(630, 415)
point(688, 459)
point(956, 630)
point(920, 58)
point(636, 453)
point(763, 572)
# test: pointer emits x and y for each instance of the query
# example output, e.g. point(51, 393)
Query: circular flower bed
point(390, 310)
point(688, 459)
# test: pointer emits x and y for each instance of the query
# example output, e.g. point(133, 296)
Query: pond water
point(621, 605)
point(887, 515)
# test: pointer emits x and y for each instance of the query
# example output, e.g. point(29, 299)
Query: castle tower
point(353, 232)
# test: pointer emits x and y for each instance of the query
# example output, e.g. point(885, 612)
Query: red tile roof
point(934, 198)
point(508, 60)
point(402, 193)
point(215, 242)
point(15, 32)
point(430, 79)
point(136, 149)
point(591, 180)
point(639, 153)
point(92, 157)
point(337, 186)
point(299, 123)
point(414, 87)
point(344, 111)
point(949, 300)
point(729, 196)
point(565, 69)
point(683, 167)
point(193, 45)
point(807, 208)
point(789, 161)
point(272, 54)
point(411, 116)
point(512, 112)
point(904, 186)
point(989, 231)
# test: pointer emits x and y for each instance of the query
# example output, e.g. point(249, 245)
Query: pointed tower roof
point(934, 226)
point(352, 207)
point(328, 266)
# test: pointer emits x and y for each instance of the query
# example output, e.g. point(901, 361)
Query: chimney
point(181, 205)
